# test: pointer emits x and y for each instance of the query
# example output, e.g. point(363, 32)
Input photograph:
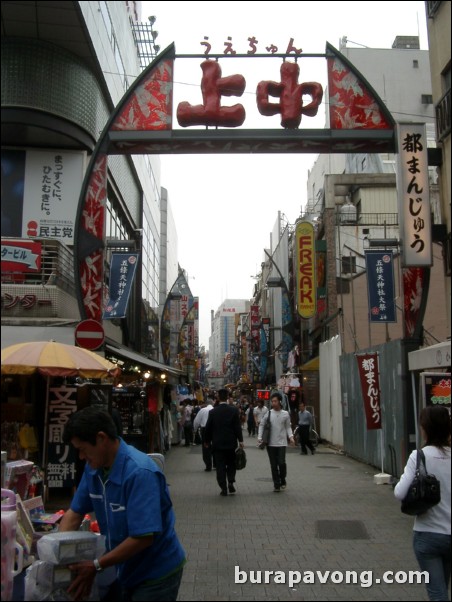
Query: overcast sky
point(225, 206)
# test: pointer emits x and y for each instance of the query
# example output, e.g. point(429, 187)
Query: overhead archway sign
point(142, 123)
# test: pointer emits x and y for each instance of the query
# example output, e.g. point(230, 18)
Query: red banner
point(370, 387)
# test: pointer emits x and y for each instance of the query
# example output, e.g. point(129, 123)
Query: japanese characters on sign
point(20, 256)
point(122, 272)
point(61, 456)
point(52, 182)
point(413, 195)
point(305, 265)
point(253, 42)
point(213, 86)
point(27, 301)
point(255, 325)
point(380, 286)
point(370, 387)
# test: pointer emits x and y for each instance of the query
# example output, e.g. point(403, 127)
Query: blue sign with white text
point(122, 272)
point(380, 286)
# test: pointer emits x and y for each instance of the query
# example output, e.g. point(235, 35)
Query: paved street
point(258, 529)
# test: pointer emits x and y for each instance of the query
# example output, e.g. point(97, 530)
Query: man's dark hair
point(223, 394)
point(278, 395)
point(86, 423)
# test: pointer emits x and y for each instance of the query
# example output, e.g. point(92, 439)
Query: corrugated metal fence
point(396, 437)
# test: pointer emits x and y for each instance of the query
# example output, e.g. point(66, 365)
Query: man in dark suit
point(223, 432)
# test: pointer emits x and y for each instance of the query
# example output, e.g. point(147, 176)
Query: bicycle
point(313, 437)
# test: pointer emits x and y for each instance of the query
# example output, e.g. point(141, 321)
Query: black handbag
point(266, 433)
point(240, 458)
point(424, 491)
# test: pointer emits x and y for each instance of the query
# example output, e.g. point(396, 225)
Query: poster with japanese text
point(53, 182)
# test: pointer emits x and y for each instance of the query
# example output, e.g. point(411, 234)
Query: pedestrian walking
point(200, 423)
point(250, 420)
point(129, 495)
point(224, 433)
point(280, 434)
point(259, 412)
point(304, 428)
point(188, 423)
point(432, 533)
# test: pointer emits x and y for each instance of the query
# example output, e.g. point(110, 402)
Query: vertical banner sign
point(415, 288)
point(320, 270)
point(122, 272)
point(255, 325)
point(305, 266)
point(380, 286)
point(370, 387)
point(60, 456)
point(413, 195)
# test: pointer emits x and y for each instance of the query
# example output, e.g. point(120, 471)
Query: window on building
point(427, 99)
point(349, 265)
point(415, 64)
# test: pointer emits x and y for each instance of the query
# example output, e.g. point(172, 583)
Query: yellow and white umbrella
point(55, 359)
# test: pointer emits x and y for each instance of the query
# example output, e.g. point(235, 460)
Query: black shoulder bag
point(266, 432)
point(424, 491)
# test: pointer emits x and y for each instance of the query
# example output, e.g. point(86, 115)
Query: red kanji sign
point(89, 334)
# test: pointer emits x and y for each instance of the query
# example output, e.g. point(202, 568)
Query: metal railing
point(368, 219)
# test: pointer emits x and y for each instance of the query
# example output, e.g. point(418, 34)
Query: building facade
point(225, 323)
point(438, 29)
point(50, 126)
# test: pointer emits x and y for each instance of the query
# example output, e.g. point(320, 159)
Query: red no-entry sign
point(89, 334)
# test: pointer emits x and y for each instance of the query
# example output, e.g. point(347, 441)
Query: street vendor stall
point(56, 361)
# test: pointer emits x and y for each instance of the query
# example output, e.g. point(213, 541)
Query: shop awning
point(435, 356)
point(126, 353)
point(313, 364)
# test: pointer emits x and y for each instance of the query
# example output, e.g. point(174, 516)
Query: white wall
point(330, 392)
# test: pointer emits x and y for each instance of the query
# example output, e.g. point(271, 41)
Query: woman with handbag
point(432, 532)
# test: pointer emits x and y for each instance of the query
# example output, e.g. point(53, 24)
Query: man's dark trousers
point(305, 430)
point(277, 457)
point(206, 451)
point(225, 461)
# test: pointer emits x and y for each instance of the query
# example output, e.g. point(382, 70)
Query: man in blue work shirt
point(129, 495)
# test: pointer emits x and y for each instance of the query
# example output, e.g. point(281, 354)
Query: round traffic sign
point(89, 334)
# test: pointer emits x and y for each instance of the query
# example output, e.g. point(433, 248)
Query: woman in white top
point(431, 540)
